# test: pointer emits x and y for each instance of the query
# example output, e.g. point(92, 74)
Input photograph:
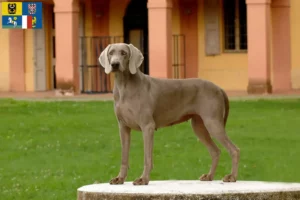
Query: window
point(235, 25)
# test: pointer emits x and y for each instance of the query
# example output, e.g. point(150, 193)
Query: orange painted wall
point(17, 66)
point(295, 43)
point(96, 23)
point(189, 27)
point(29, 56)
point(229, 70)
point(4, 57)
point(100, 17)
point(88, 23)
point(117, 10)
point(88, 26)
point(176, 17)
point(177, 56)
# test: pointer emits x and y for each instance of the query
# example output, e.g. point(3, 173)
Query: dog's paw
point(229, 178)
point(206, 177)
point(117, 181)
point(141, 181)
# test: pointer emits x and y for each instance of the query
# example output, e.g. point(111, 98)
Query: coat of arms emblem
point(31, 8)
point(12, 8)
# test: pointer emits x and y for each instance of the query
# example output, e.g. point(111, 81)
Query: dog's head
point(121, 57)
point(12, 8)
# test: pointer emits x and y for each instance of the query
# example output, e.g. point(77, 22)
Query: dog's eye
point(123, 53)
point(111, 53)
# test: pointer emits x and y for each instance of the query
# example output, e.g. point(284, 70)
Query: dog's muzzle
point(115, 66)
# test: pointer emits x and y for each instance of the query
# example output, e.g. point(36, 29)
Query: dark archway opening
point(135, 24)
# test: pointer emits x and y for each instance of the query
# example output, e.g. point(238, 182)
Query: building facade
point(241, 45)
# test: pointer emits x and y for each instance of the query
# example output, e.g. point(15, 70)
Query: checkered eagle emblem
point(31, 8)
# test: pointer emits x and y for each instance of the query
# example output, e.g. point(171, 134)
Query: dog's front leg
point(148, 135)
point(125, 143)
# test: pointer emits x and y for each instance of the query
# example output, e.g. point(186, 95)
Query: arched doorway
point(135, 24)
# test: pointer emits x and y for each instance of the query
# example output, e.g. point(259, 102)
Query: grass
point(49, 149)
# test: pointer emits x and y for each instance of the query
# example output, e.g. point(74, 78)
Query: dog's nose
point(115, 65)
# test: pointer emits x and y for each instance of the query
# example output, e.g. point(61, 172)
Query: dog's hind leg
point(216, 129)
point(203, 135)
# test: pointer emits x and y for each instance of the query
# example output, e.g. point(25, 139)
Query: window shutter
point(212, 29)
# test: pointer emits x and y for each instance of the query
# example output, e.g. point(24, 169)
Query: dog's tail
point(226, 101)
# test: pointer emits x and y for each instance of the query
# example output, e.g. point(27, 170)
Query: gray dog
point(144, 103)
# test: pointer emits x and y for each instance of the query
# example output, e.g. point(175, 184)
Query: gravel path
point(50, 96)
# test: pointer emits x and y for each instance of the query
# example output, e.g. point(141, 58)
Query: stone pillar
point(281, 45)
point(66, 40)
point(160, 38)
point(258, 20)
point(17, 60)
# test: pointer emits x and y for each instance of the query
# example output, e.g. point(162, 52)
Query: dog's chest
point(127, 114)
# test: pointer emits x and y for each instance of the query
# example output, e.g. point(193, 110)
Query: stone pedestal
point(192, 190)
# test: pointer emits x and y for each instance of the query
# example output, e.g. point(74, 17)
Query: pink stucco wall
point(17, 60)
point(281, 41)
point(66, 27)
point(269, 43)
point(160, 38)
point(259, 71)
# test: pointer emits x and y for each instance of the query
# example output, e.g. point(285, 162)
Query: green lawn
point(49, 149)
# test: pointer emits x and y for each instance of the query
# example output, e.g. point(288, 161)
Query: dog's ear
point(136, 58)
point(103, 59)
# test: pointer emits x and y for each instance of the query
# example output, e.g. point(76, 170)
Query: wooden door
point(40, 60)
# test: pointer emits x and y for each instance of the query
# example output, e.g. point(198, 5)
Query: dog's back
point(177, 100)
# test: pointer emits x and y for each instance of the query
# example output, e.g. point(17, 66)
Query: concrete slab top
point(192, 187)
